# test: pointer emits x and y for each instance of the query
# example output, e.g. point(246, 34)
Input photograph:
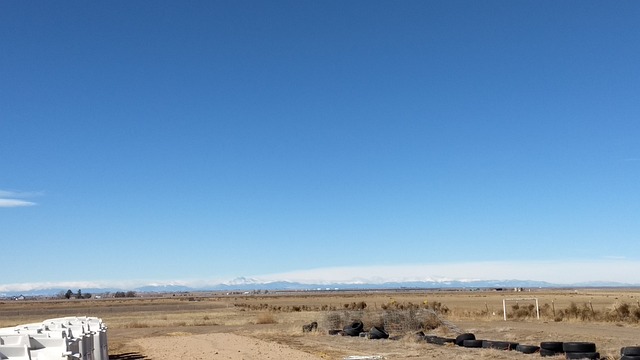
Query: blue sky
point(201, 141)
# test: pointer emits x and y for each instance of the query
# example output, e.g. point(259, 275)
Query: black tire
point(551, 345)
point(583, 355)
point(442, 341)
point(354, 329)
point(472, 343)
point(429, 338)
point(527, 349)
point(545, 352)
point(462, 337)
point(630, 357)
point(578, 346)
point(630, 350)
point(378, 333)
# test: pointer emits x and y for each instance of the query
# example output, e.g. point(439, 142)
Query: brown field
point(210, 326)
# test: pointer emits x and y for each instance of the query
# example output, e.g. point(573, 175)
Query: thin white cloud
point(7, 203)
point(557, 272)
point(11, 199)
point(72, 285)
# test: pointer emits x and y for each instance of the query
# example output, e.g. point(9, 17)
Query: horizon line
point(606, 270)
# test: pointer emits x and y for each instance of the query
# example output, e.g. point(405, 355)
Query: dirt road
point(217, 346)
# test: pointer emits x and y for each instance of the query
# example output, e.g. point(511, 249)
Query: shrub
point(431, 321)
point(355, 306)
point(266, 318)
point(136, 325)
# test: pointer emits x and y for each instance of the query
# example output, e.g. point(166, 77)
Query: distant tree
point(60, 295)
point(68, 294)
point(119, 294)
point(79, 294)
point(87, 295)
point(131, 293)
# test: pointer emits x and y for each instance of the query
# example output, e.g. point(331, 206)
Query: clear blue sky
point(164, 140)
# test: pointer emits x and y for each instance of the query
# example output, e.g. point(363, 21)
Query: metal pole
point(537, 309)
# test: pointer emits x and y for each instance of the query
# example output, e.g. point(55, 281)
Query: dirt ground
point(276, 342)
point(221, 326)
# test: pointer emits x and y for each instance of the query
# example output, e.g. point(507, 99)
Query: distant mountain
point(163, 288)
point(603, 284)
point(249, 284)
point(55, 291)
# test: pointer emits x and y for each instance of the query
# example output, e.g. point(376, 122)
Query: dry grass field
point(205, 326)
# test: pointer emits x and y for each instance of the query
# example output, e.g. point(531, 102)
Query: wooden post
point(504, 309)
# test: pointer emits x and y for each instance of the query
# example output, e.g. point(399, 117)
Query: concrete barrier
point(71, 338)
point(14, 352)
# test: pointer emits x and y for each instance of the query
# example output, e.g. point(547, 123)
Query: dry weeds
point(607, 317)
point(266, 318)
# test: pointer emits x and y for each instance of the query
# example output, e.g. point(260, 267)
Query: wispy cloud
point(10, 199)
point(72, 285)
point(558, 272)
point(6, 203)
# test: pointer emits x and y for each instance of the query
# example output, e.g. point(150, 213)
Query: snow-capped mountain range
point(249, 284)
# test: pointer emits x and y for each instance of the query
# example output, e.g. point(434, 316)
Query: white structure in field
point(67, 338)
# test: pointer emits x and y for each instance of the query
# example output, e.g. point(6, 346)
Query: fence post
point(504, 309)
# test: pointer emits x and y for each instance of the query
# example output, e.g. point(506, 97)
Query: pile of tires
point(468, 340)
point(580, 350)
point(378, 332)
point(460, 339)
point(354, 329)
point(551, 348)
point(527, 349)
point(571, 350)
point(630, 353)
